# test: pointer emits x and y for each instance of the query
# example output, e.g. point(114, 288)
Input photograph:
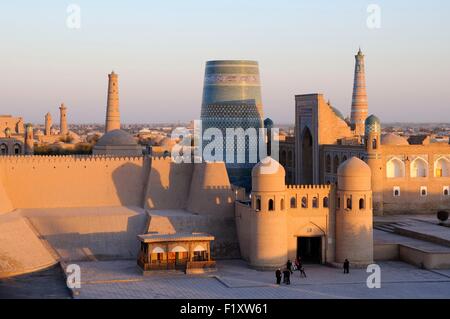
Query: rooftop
point(153, 238)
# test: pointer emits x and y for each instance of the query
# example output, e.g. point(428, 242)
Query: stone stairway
point(389, 227)
point(417, 229)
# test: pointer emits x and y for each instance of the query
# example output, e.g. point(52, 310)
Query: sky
point(159, 49)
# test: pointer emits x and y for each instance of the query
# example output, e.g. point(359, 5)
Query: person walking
point(302, 272)
point(346, 266)
point(289, 265)
point(278, 276)
point(297, 264)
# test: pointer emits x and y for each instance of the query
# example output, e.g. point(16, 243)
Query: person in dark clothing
point(346, 266)
point(278, 276)
point(289, 266)
point(302, 272)
point(297, 264)
point(286, 277)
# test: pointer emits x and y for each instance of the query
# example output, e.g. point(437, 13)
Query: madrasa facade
point(408, 175)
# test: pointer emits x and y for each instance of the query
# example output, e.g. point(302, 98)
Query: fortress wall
point(168, 184)
point(243, 215)
point(99, 233)
point(210, 190)
point(5, 202)
point(223, 228)
point(20, 249)
point(311, 221)
point(73, 181)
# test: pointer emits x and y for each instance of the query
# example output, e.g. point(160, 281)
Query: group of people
point(289, 270)
point(298, 266)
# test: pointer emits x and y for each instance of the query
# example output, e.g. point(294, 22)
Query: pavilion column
point(208, 247)
point(167, 255)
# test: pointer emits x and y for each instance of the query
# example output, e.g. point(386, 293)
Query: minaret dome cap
point(354, 175)
point(372, 119)
point(372, 124)
point(268, 176)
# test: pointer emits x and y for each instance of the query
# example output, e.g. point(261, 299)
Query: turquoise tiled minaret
point(232, 99)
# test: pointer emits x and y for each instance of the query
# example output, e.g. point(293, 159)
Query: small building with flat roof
point(188, 252)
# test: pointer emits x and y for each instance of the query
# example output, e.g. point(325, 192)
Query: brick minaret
point(48, 123)
point(63, 120)
point(29, 140)
point(112, 109)
point(359, 99)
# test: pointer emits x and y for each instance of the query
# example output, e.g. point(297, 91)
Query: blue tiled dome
point(373, 125)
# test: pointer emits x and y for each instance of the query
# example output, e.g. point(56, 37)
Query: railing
point(179, 265)
point(201, 264)
point(163, 265)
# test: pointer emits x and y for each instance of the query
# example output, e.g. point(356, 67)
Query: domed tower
point(354, 228)
point(372, 141)
point(29, 140)
point(268, 224)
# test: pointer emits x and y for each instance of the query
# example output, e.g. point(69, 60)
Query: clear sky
point(159, 49)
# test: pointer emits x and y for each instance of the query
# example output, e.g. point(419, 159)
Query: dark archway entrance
point(309, 249)
point(307, 155)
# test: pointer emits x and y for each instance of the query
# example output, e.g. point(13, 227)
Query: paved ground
point(121, 279)
point(46, 284)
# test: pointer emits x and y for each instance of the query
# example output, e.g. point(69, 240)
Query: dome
point(354, 174)
point(372, 125)
point(372, 120)
point(393, 139)
point(268, 176)
point(116, 138)
point(268, 123)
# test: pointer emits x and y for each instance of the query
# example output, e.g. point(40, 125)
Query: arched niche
point(395, 168)
point(419, 168)
point(441, 167)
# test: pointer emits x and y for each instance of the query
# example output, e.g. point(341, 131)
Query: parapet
point(310, 189)
point(304, 187)
point(161, 158)
point(24, 159)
